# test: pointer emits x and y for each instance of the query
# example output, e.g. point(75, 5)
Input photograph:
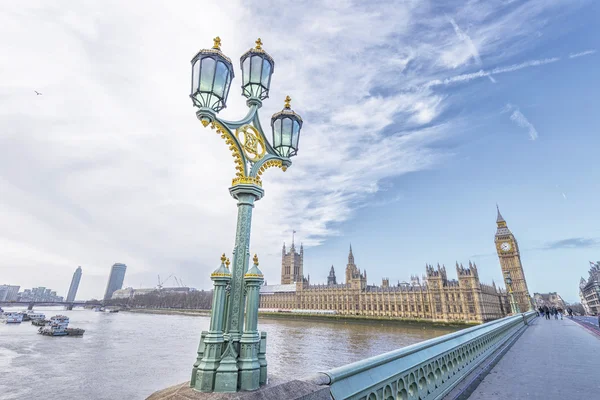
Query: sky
point(419, 118)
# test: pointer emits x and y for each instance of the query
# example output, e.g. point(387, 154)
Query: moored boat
point(75, 331)
point(31, 315)
point(39, 322)
point(11, 317)
point(58, 326)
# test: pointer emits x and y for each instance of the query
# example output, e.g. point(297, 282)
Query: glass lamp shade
point(286, 126)
point(257, 68)
point(212, 73)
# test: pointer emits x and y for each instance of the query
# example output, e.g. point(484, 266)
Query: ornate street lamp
point(231, 355)
point(513, 305)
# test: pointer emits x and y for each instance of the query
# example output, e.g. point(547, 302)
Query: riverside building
point(589, 290)
point(74, 285)
point(115, 280)
point(9, 292)
point(432, 297)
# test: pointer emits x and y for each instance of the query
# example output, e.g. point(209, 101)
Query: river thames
point(131, 355)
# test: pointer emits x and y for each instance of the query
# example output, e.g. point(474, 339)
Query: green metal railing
point(426, 370)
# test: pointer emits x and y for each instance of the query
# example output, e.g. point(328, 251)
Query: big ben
point(510, 261)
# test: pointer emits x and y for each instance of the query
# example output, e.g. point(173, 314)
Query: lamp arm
point(252, 114)
point(268, 161)
point(270, 149)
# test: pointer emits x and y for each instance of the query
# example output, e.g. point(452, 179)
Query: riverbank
point(313, 317)
point(170, 311)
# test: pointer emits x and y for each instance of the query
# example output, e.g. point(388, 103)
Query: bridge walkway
point(553, 359)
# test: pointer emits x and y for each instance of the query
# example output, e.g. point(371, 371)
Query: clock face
point(505, 246)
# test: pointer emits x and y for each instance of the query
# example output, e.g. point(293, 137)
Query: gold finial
point(223, 258)
point(258, 44)
point(255, 259)
point(287, 101)
point(217, 44)
point(227, 262)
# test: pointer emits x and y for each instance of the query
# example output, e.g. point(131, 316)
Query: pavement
point(553, 359)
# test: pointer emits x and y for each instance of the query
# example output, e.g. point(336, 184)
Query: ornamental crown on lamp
point(212, 73)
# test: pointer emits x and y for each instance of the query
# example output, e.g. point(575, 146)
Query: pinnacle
point(499, 218)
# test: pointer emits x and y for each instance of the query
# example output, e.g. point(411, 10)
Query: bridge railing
point(426, 370)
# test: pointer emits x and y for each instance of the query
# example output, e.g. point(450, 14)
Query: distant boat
point(58, 326)
point(11, 317)
point(99, 309)
point(113, 311)
point(31, 315)
point(39, 322)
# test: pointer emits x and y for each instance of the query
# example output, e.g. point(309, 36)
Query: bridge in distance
point(68, 304)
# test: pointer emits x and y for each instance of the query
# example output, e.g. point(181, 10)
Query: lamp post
point(513, 304)
point(231, 355)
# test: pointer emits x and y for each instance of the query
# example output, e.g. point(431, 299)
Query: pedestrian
point(554, 312)
point(560, 312)
point(540, 311)
point(547, 312)
point(570, 311)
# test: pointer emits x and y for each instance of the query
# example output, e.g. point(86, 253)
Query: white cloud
point(470, 47)
point(111, 165)
point(518, 118)
point(581, 54)
point(463, 78)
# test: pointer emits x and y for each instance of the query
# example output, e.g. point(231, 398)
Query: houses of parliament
point(432, 297)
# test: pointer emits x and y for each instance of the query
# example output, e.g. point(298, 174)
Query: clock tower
point(510, 261)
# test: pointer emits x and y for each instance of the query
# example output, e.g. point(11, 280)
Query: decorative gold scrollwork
point(252, 142)
point(237, 155)
point(270, 164)
point(246, 180)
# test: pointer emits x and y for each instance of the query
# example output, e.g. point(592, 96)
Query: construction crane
point(161, 283)
point(179, 281)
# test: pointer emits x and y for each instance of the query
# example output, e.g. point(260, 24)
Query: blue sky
point(419, 118)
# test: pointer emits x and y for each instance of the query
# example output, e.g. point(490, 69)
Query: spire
point(499, 218)
point(350, 256)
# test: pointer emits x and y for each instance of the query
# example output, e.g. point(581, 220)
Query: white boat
point(32, 315)
point(12, 317)
point(56, 327)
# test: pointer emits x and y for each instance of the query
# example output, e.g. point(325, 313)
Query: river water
point(131, 355)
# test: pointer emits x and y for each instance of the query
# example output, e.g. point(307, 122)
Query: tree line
point(196, 300)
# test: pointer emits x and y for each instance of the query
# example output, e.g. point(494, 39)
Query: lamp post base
point(277, 389)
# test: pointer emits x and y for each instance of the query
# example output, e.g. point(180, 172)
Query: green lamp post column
point(238, 360)
point(212, 347)
point(513, 304)
point(246, 195)
point(250, 368)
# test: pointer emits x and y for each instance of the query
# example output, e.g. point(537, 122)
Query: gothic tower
point(351, 269)
point(292, 265)
point(331, 280)
point(510, 261)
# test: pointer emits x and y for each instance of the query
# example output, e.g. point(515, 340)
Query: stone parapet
point(275, 390)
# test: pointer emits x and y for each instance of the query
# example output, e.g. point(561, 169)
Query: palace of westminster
point(433, 297)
